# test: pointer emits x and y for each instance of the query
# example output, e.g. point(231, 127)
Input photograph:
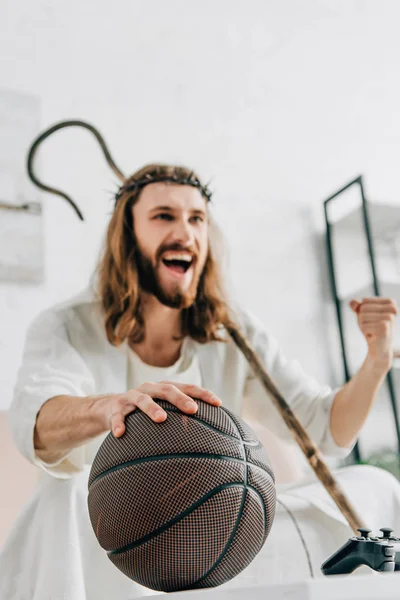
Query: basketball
point(183, 504)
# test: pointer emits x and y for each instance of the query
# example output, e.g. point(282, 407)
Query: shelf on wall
point(364, 237)
point(351, 250)
point(389, 288)
point(383, 217)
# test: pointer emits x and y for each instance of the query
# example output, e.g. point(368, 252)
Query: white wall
point(279, 102)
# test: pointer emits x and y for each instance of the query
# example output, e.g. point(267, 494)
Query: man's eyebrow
point(165, 208)
point(197, 211)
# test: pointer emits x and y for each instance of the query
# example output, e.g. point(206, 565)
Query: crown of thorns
point(134, 185)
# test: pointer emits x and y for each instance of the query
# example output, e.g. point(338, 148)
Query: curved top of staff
point(36, 143)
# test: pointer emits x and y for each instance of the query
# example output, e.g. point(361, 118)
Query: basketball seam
point(238, 439)
point(195, 418)
point(236, 527)
point(175, 520)
point(233, 534)
point(228, 543)
point(146, 538)
point(253, 465)
point(144, 459)
point(241, 439)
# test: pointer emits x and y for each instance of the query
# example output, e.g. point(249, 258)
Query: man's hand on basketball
point(115, 407)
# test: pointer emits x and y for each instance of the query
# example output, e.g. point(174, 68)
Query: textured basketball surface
point(183, 504)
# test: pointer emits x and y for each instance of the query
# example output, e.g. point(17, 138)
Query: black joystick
point(387, 532)
point(387, 536)
point(381, 554)
point(364, 532)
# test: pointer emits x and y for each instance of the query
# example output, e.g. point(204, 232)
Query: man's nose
point(183, 232)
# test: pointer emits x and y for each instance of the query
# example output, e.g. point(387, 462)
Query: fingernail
point(118, 431)
point(191, 405)
point(159, 413)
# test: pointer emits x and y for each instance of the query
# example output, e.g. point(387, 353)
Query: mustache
point(176, 248)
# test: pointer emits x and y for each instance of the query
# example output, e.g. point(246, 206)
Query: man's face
point(171, 229)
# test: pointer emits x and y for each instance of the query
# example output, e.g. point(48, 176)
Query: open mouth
point(176, 265)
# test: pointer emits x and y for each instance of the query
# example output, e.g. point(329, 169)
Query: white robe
point(52, 552)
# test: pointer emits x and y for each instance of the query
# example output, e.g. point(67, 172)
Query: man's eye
point(197, 219)
point(164, 217)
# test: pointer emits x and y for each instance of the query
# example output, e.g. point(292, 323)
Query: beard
point(150, 282)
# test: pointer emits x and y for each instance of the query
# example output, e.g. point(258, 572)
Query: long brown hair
point(118, 281)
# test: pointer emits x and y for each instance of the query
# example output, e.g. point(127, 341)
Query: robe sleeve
point(51, 366)
point(310, 401)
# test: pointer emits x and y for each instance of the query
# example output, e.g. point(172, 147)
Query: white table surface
point(365, 586)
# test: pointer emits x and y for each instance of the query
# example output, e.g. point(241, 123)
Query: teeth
point(178, 256)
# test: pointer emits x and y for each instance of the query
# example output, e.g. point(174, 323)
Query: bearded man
point(153, 327)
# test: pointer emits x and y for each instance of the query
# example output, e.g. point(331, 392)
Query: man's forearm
point(353, 402)
point(65, 422)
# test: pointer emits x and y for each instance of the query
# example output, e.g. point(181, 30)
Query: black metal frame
point(339, 303)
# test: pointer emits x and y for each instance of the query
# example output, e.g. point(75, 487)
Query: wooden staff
point(308, 447)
